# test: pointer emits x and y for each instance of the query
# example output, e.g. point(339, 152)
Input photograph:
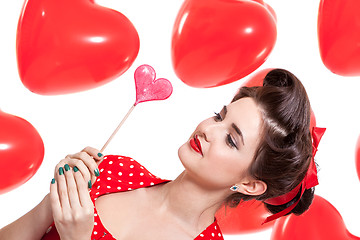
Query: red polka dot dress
point(120, 174)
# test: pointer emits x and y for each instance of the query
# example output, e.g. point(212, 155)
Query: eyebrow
point(233, 125)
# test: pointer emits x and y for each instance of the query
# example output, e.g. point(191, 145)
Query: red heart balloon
point(148, 88)
point(357, 157)
point(322, 221)
point(268, 7)
point(72, 45)
point(338, 35)
point(216, 42)
point(245, 218)
point(21, 151)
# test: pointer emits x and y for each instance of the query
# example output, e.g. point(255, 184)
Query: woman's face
point(222, 147)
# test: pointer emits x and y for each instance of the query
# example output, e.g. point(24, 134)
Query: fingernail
point(53, 181)
point(100, 154)
point(61, 171)
point(75, 169)
point(67, 167)
point(97, 173)
point(89, 184)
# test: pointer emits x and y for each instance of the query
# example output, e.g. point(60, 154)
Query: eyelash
point(218, 117)
point(229, 139)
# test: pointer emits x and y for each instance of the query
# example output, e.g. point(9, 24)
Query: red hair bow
point(310, 180)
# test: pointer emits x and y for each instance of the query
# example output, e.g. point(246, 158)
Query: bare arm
point(32, 225)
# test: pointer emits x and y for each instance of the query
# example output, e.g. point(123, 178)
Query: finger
point(54, 200)
point(95, 153)
point(57, 167)
point(84, 170)
point(62, 190)
point(88, 160)
point(72, 188)
point(83, 189)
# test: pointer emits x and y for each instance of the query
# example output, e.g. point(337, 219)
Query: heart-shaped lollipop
point(148, 88)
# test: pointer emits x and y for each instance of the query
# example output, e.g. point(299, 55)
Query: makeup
point(195, 144)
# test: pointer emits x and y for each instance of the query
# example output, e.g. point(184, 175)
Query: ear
point(252, 187)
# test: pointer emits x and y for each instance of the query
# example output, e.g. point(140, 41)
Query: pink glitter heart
point(148, 88)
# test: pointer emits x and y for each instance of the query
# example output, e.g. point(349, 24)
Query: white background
point(155, 130)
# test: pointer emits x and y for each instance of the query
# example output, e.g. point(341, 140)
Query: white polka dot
point(131, 174)
point(215, 227)
point(151, 183)
point(101, 170)
point(97, 193)
point(105, 157)
point(108, 187)
point(131, 166)
point(119, 181)
point(119, 188)
point(131, 159)
point(120, 173)
point(98, 180)
point(95, 223)
point(141, 183)
point(219, 234)
point(95, 232)
point(95, 214)
point(98, 187)
point(120, 157)
point(111, 162)
point(109, 178)
point(109, 172)
point(130, 182)
point(129, 189)
point(142, 167)
point(201, 235)
point(141, 174)
point(213, 234)
point(95, 199)
point(121, 164)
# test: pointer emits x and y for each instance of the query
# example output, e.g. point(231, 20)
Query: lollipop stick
point(118, 127)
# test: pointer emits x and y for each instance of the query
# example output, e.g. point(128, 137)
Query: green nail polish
point(67, 167)
point(61, 171)
point(53, 181)
point(76, 169)
point(97, 173)
point(89, 184)
point(100, 154)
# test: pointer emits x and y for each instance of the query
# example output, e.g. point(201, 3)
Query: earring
point(234, 188)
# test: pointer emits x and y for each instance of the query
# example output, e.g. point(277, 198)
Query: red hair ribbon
point(308, 182)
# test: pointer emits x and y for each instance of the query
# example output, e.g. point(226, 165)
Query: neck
point(189, 202)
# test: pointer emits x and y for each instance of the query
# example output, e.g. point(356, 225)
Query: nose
point(210, 130)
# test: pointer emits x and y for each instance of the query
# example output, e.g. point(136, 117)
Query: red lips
point(195, 144)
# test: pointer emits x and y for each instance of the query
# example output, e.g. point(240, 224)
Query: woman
point(257, 147)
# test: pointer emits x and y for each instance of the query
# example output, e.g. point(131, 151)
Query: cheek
point(226, 168)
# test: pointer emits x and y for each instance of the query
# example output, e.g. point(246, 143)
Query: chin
point(186, 156)
point(181, 153)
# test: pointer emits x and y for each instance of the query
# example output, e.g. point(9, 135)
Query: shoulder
point(212, 232)
point(122, 173)
point(124, 166)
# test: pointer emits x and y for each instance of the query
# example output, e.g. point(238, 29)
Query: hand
point(87, 162)
point(72, 208)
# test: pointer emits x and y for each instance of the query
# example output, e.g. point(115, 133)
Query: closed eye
point(231, 141)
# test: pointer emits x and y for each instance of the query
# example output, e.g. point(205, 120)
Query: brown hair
point(285, 150)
